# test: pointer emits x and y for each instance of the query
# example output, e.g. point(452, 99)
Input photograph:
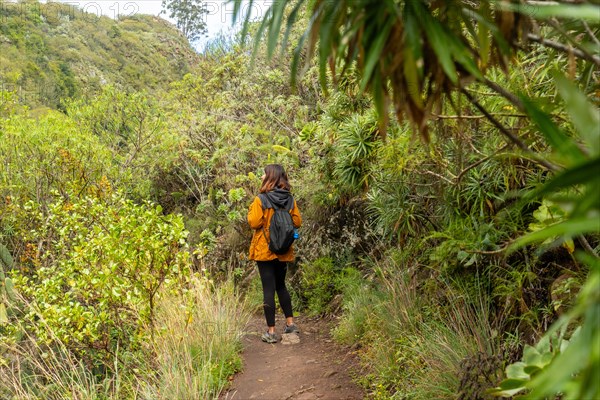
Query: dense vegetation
point(123, 238)
point(53, 52)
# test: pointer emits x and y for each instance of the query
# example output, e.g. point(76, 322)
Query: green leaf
point(567, 364)
point(540, 10)
point(589, 203)
point(237, 9)
point(543, 346)
point(517, 371)
point(3, 314)
point(530, 355)
point(509, 387)
point(438, 39)
point(584, 173)
point(413, 57)
point(298, 52)
point(584, 115)
point(327, 32)
point(290, 23)
point(280, 149)
point(561, 143)
point(374, 53)
point(380, 100)
point(532, 369)
point(264, 24)
point(499, 39)
point(10, 289)
point(441, 47)
point(483, 34)
point(5, 257)
point(277, 11)
point(570, 228)
point(413, 41)
point(510, 384)
point(464, 57)
point(412, 78)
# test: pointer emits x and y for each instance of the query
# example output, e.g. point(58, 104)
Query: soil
point(315, 368)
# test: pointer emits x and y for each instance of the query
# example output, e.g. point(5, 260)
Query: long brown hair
point(275, 178)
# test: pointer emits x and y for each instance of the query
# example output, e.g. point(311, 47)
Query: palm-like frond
point(411, 52)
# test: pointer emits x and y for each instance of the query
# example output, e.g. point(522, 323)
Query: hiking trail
point(315, 368)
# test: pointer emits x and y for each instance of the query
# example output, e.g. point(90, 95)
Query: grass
point(357, 316)
point(459, 353)
point(30, 370)
point(413, 348)
point(197, 347)
point(192, 353)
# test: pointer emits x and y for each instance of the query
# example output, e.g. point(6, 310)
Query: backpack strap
point(264, 201)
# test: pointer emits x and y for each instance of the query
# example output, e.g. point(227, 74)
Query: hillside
point(52, 52)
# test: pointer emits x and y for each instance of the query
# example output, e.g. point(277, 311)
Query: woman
point(275, 191)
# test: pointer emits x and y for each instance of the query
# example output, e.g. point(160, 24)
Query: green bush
point(358, 298)
point(131, 126)
point(318, 284)
point(62, 158)
point(97, 278)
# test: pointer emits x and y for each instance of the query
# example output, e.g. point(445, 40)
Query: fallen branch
point(564, 48)
point(464, 171)
point(439, 176)
point(478, 116)
point(506, 132)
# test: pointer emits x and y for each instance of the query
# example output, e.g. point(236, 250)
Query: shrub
point(319, 278)
point(61, 158)
point(358, 297)
point(191, 355)
point(97, 278)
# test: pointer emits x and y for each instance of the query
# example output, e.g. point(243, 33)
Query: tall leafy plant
point(189, 16)
point(357, 142)
point(411, 51)
point(7, 293)
point(558, 364)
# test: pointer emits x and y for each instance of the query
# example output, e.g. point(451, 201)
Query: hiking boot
point(291, 329)
point(269, 337)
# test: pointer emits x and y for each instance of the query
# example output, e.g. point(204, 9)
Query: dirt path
point(315, 368)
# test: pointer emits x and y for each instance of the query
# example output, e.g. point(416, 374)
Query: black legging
point(272, 275)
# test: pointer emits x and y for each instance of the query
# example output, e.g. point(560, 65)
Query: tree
point(189, 15)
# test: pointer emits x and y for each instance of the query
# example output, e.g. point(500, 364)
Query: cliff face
point(51, 52)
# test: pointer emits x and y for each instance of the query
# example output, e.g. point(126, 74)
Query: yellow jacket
point(260, 218)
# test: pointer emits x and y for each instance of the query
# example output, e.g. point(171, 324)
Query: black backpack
point(281, 228)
